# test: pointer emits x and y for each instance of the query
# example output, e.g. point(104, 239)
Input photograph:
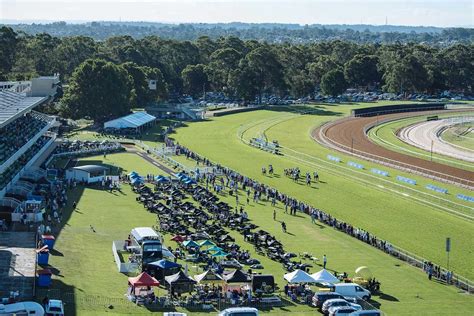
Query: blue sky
point(397, 12)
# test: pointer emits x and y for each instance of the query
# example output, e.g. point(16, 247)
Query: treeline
point(244, 70)
point(268, 32)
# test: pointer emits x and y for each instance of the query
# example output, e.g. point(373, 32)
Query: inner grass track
point(461, 136)
point(394, 216)
point(84, 267)
point(385, 135)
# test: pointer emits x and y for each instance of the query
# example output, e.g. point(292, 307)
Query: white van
point(352, 290)
point(22, 308)
point(239, 311)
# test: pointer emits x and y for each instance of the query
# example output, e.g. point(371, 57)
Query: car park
point(320, 297)
point(337, 302)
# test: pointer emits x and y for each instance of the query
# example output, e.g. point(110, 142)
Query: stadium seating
point(13, 170)
point(18, 133)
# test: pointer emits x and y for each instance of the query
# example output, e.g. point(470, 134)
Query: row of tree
point(269, 32)
point(243, 70)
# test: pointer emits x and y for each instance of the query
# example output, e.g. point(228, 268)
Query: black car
point(320, 297)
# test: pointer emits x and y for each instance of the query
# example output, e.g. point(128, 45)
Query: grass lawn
point(460, 135)
point(85, 271)
point(385, 135)
point(398, 217)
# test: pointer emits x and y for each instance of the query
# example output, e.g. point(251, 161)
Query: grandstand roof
point(134, 120)
point(14, 104)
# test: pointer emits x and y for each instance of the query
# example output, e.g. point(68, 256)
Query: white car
point(372, 312)
point(337, 302)
point(54, 308)
point(239, 311)
point(342, 310)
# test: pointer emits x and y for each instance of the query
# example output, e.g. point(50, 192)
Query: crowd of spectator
point(16, 134)
point(8, 174)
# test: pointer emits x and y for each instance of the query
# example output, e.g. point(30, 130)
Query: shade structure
point(206, 242)
point(179, 277)
point(161, 179)
point(298, 276)
point(220, 253)
point(165, 264)
point(178, 238)
point(364, 272)
point(214, 248)
point(136, 180)
point(237, 276)
point(133, 120)
point(324, 276)
point(209, 277)
point(190, 243)
point(133, 173)
point(143, 279)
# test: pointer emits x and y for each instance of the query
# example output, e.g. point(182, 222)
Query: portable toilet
point(48, 240)
point(44, 277)
point(42, 255)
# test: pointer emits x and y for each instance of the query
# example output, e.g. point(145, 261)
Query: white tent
point(134, 120)
point(298, 276)
point(324, 276)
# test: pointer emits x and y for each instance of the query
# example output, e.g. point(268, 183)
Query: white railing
point(122, 266)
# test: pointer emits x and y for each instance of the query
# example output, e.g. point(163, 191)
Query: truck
point(148, 244)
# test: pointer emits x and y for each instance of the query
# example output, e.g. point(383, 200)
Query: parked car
point(341, 310)
point(54, 308)
point(352, 290)
point(239, 311)
point(337, 302)
point(22, 308)
point(371, 312)
point(320, 297)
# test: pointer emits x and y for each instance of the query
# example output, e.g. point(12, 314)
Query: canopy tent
point(133, 173)
point(207, 243)
point(237, 276)
point(208, 277)
point(178, 238)
point(220, 253)
point(161, 179)
point(215, 248)
point(134, 120)
point(190, 243)
point(143, 279)
point(136, 180)
point(324, 276)
point(165, 264)
point(298, 276)
point(180, 282)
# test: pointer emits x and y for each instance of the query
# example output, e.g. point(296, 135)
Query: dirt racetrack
point(349, 136)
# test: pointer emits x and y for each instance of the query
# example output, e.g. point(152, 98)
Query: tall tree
point(333, 83)
point(98, 90)
point(8, 45)
point(195, 80)
point(362, 70)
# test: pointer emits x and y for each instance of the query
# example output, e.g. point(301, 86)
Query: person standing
point(274, 215)
point(283, 227)
point(325, 261)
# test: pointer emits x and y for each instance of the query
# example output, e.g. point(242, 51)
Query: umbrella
point(190, 243)
point(178, 238)
point(364, 272)
point(220, 253)
point(206, 242)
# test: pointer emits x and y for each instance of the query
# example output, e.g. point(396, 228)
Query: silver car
point(337, 302)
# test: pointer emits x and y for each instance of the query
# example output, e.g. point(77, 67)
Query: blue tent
point(190, 243)
point(133, 173)
point(165, 264)
point(161, 179)
point(136, 180)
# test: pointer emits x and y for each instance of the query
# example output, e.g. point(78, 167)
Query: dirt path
point(349, 135)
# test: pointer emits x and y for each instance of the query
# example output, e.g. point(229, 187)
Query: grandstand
point(25, 137)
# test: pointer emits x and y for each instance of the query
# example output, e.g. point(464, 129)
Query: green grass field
point(357, 197)
point(385, 135)
point(85, 271)
point(460, 136)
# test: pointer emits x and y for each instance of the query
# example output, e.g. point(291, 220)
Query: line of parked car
point(343, 300)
